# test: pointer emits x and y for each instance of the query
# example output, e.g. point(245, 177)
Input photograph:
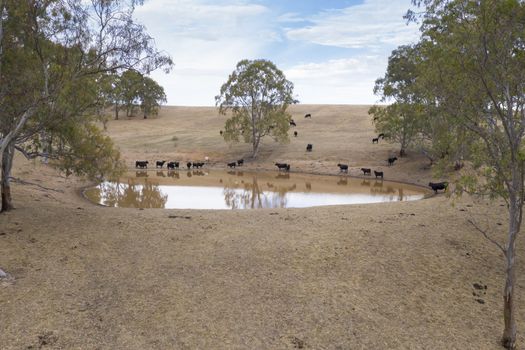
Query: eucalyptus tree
point(258, 94)
point(476, 71)
point(472, 72)
point(400, 120)
point(52, 55)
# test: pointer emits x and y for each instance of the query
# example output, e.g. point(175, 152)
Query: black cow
point(173, 165)
point(188, 165)
point(240, 162)
point(366, 171)
point(295, 133)
point(376, 140)
point(378, 174)
point(141, 164)
point(283, 166)
point(232, 164)
point(292, 123)
point(438, 186)
point(391, 161)
point(381, 136)
point(343, 168)
point(160, 163)
point(220, 132)
point(309, 147)
point(308, 115)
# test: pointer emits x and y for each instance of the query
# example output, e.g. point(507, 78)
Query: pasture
point(406, 275)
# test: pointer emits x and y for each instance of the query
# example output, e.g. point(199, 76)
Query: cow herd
point(343, 168)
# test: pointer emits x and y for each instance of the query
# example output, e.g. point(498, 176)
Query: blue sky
point(331, 50)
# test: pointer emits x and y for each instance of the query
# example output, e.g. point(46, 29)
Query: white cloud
point(348, 81)
point(206, 39)
point(373, 24)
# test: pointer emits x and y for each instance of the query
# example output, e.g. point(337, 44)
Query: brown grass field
point(376, 276)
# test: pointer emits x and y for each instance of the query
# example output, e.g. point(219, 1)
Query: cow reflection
point(174, 174)
point(198, 173)
point(141, 174)
point(343, 181)
point(161, 174)
point(285, 176)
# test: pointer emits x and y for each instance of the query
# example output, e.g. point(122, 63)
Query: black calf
point(197, 165)
point(160, 163)
point(438, 186)
point(292, 123)
point(376, 140)
point(295, 133)
point(309, 147)
point(391, 161)
point(343, 168)
point(308, 115)
point(240, 162)
point(141, 164)
point(366, 171)
point(378, 174)
point(283, 166)
point(232, 164)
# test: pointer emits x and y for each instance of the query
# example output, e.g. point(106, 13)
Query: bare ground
point(380, 276)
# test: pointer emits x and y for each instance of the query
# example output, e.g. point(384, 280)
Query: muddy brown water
point(218, 189)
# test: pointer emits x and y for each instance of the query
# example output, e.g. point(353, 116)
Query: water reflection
point(343, 181)
point(244, 190)
point(131, 195)
point(174, 174)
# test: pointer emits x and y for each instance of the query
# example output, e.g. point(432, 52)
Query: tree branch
point(503, 250)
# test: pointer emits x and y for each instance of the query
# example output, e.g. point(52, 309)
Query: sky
point(332, 50)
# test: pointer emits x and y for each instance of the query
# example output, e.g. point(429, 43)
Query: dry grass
point(381, 276)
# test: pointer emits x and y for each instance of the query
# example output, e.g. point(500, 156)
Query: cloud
point(200, 19)
point(336, 81)
point(206, 39)
point(373, 24)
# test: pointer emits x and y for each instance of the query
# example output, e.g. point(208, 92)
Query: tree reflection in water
point(143, 194)
point(242, 195)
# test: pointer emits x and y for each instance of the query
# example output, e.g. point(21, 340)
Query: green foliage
point(132, 89)
point(86, 151)
point(58, 62)
point(257, 94)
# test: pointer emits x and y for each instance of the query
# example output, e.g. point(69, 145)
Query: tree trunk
point(509, 315)
point(7, 163)
point(116, 111)
point(402, 152)
point(256, 143)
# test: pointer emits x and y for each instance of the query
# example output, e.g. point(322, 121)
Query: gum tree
point(472, 70)
point(257, 94)
point(52, 56)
